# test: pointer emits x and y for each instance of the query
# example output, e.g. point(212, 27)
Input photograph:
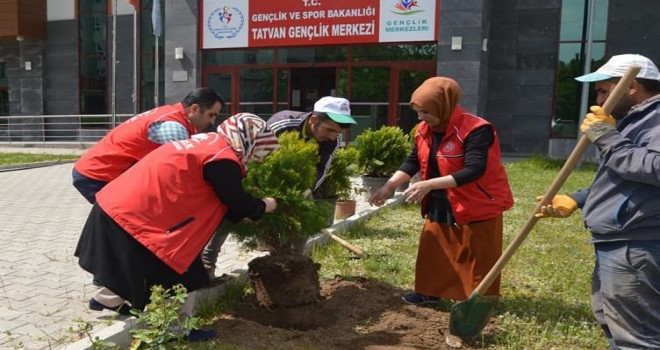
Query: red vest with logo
point(165, 203)
point(124, 145)
point(482, 199)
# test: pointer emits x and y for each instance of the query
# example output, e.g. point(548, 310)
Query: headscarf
point(249, 136)
point(439, 96)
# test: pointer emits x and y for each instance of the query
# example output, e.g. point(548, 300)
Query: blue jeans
point(625, 295)
point(86, 186)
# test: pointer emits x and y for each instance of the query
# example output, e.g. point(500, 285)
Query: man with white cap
point(325, 124)
point(621, 208)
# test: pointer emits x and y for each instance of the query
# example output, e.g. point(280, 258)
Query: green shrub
point(285, 175)
point(161, 323)
point(382, 151)
point(337, 183)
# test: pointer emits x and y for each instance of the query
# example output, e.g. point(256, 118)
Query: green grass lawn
point(545, 286)
point(26, 158)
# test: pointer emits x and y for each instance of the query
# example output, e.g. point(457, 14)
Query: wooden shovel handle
point(357, 251)
point(566, 170)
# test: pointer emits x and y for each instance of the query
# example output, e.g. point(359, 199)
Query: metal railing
point(88, 128)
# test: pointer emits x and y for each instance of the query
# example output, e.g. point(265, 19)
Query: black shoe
point(197, 335)
point(122, 309)
point(419, 299)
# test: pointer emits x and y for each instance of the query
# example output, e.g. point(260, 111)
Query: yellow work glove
point(597, 123)
point(562, 206)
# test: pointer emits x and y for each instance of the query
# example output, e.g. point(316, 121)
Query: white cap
point(337, 108)
point(619, 64)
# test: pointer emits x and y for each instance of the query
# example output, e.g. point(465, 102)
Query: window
point(4, 92)
point(257, 92)
point(312, 54)
point(404, 52)
point(572, 51)
point(147, 53)
point(241, 56)
point(369, 97)
point(93, 59)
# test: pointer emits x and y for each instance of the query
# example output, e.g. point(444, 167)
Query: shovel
point(307, 194)
point(470, 316)
point(355, 250)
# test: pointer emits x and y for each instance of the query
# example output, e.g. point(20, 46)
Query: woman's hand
point(379, 197)
point(271, 204)
point(417, 191)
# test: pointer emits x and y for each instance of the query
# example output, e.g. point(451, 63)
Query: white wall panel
point(59, 10)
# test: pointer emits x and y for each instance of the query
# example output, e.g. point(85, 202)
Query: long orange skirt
point(451, 261)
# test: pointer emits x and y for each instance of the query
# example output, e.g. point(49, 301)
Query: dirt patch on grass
point(353, 313)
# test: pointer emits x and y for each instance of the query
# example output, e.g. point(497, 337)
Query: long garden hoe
point(470, 316)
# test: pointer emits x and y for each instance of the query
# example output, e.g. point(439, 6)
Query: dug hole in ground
point(296, 311)
point(350, 313)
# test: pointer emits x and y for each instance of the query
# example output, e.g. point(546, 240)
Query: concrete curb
point(119, 332)
point(322, 239)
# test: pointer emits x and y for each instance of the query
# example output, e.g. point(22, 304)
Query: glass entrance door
point(222, 83)
point(310, 84)
point(409, 80)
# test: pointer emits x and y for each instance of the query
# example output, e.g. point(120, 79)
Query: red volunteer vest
point(124, 145)
point(165, 203)
point(482, 199)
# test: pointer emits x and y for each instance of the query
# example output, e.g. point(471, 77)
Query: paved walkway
point(43, 291)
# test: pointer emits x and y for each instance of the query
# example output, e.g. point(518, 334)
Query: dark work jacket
point(292, 120)
point(623, 201)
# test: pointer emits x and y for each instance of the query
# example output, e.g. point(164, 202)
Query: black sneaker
point(197, 335)
point(419, 299)
point(122, 309)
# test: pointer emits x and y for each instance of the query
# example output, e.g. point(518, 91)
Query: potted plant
point(347, 204)
point(284, 279)
point(338, 185)
point(381, 152)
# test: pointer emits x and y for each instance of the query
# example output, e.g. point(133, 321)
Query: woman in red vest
point(149, 225)
point(463, 191)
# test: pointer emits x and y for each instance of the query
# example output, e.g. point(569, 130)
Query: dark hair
point(324, 116)
point(650, 85)
point(204, 97)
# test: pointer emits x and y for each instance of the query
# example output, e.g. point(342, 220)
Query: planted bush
point(284, 175)
point(337, 183)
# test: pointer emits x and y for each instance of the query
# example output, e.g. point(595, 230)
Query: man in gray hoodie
point(621, 208)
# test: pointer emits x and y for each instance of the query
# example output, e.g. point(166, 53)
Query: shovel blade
point(470, 316)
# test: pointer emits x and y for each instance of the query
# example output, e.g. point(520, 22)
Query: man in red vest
point(124, 145)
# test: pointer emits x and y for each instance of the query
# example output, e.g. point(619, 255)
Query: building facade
point(514, 59)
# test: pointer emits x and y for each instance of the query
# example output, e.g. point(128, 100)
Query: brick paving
point(43, 291)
